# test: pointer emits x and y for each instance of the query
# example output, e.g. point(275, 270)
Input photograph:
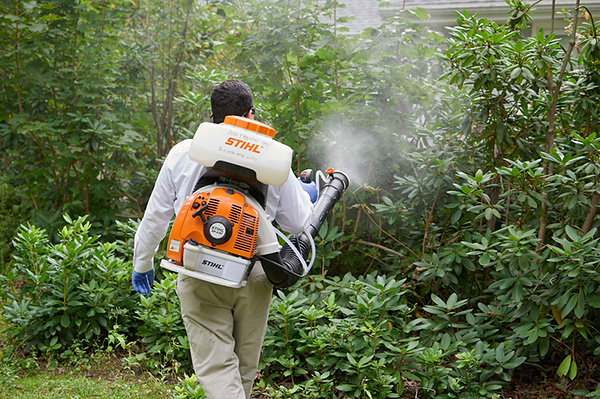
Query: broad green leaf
point(573, 370)
point(564, 367)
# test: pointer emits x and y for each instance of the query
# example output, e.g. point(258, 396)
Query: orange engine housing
point(218, 218)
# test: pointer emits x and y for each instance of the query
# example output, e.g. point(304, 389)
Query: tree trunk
point(589, 218)
point(554, 88)
point(162, 108)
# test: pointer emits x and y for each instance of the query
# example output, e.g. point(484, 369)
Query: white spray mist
point(344, 147)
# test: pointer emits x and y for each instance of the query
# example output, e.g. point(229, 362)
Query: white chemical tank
point(244, 142)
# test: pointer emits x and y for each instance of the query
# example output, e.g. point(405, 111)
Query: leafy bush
point(162, 329)
point(338, 335)
point(503, 202)
point(189, 388)
point(66, 121)
point(75, 289)
point(359, 337)
point(79, 291)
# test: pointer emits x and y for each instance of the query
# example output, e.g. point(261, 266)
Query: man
point(225, 326)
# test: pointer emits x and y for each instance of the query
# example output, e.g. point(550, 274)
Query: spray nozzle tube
point(286, 267)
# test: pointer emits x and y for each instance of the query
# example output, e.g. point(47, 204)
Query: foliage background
point(465, 250)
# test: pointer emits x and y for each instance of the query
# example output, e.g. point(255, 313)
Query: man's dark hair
point(232, 97)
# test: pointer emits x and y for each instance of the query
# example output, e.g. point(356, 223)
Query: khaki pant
point(226, 328)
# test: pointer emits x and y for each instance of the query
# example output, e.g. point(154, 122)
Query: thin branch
point(386, 233)
point(429, 217)
point(379, 246)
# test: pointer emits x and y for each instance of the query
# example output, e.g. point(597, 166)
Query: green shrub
point(361, 337)
point(502, 203)
point(335, 336)
point(74, 289)
point(78, 291)
point(162, 329)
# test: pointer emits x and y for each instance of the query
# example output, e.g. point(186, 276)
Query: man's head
point(231, 97)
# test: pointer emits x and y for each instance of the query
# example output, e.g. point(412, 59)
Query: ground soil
point(542, 382)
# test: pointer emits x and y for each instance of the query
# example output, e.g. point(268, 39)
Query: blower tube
point(284, 269)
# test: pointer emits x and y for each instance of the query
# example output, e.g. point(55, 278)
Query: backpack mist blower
point(223, 229)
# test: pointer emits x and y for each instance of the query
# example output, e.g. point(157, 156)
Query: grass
point(99, 374)
point(52, 385)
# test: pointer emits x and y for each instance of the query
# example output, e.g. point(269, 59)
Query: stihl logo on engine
point(212, 264)
point(243, 145)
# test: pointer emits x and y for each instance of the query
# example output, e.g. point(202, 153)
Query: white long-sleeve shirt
point(289, 205)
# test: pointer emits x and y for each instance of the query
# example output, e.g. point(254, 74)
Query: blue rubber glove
point(311, 189)
point(142, 282)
